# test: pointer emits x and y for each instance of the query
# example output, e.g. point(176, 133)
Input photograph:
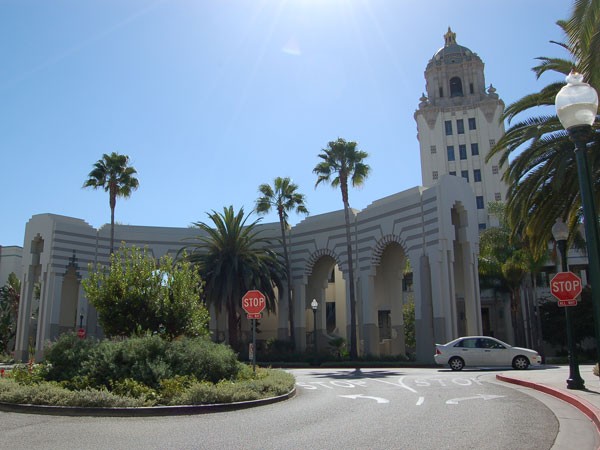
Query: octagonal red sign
point(253, 302)
point(565, 286)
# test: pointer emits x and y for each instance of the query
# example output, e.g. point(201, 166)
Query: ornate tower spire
point(450, 38)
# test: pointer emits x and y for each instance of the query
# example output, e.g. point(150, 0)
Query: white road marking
point(377, 399)
point(399, 384)
point(420, 401)
point(455, 401)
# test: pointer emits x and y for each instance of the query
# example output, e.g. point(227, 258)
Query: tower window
point(450, 151)
point(448, 125)
point(479, 200)
point(435, 175)
point(465, 174)
point(474, 149)
point(456, 89)
point(472, 123)
point(433, 149)
point(492, 142)
point(462, 151)
point(495, 170)
point(460, 126)
point(476, 175)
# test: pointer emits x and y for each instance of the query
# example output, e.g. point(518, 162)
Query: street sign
point(254, 316)
point(566, 287)
point(253, 302)
point(81, 333)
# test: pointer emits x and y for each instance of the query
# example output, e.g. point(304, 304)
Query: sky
point(211, 98)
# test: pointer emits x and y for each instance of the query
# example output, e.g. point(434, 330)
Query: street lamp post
point(560, 231)
point(576, 107)
point(314, 305)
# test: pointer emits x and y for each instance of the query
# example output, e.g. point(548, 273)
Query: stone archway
point(325, 284)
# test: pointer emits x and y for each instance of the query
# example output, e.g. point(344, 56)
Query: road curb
point(151, 411)
point(583, 405)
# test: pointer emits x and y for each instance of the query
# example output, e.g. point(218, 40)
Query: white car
point(484, 351)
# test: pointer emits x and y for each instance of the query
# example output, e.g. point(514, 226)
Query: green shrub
point(51, 393)
point(203, 359)
point(132, 388)
point(67, 355)
point(138, 358)
point(171, 388)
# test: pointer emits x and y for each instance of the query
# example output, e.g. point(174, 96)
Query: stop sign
point(565, 286)
point(253, 302)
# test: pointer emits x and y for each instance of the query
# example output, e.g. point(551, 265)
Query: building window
point(450, 151)
point(460, 126)
point(479, 199)
point(476, 175)
point(482, 226)
point(456, 89)
point(433, 149)
point(330, 316)
point(448, 125)
point(472, 123)
point(471, 90)
point(462, 151)
point(492, 142)
point(495, 170)
point(498, 196)
point(475, 149)
point(441, 91)
point(465, 174)
point(435, 175)
point(453, 173)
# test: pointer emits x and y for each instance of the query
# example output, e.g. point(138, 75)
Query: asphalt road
point(334, 409)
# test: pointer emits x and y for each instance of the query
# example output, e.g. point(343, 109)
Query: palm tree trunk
point(232, 325)
point(113, 202)
point(289, 281)
point(353, 339)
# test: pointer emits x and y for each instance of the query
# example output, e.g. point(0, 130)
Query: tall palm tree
point(342, 163)
point(233, 258)
point(284, 197)
point(542, 175)
point(113, 174)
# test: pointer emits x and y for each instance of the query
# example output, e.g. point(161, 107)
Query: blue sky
point(211, 98)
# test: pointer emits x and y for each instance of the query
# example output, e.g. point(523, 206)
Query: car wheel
point(520, 363)
point(456, 363)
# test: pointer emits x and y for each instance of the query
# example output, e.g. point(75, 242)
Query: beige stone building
point(434, 229)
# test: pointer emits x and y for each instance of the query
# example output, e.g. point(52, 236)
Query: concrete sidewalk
point(552, 380)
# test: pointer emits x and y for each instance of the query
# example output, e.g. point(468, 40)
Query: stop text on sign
point(253, 302)
point(568, 285)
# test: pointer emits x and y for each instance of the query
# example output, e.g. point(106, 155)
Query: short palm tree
point(233, 258)
point(284, 197)
point(343, 163)
point(542, 175)
point(113, 174)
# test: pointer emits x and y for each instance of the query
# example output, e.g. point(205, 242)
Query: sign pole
point(254, 346)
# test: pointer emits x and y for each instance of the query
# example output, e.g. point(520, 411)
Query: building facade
point(433, 231)
point(10, 262)
point(458, 122)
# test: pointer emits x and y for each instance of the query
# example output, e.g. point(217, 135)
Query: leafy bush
point(203, 359)
point(51, 393)
point(66, 356)
point(136, 292)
